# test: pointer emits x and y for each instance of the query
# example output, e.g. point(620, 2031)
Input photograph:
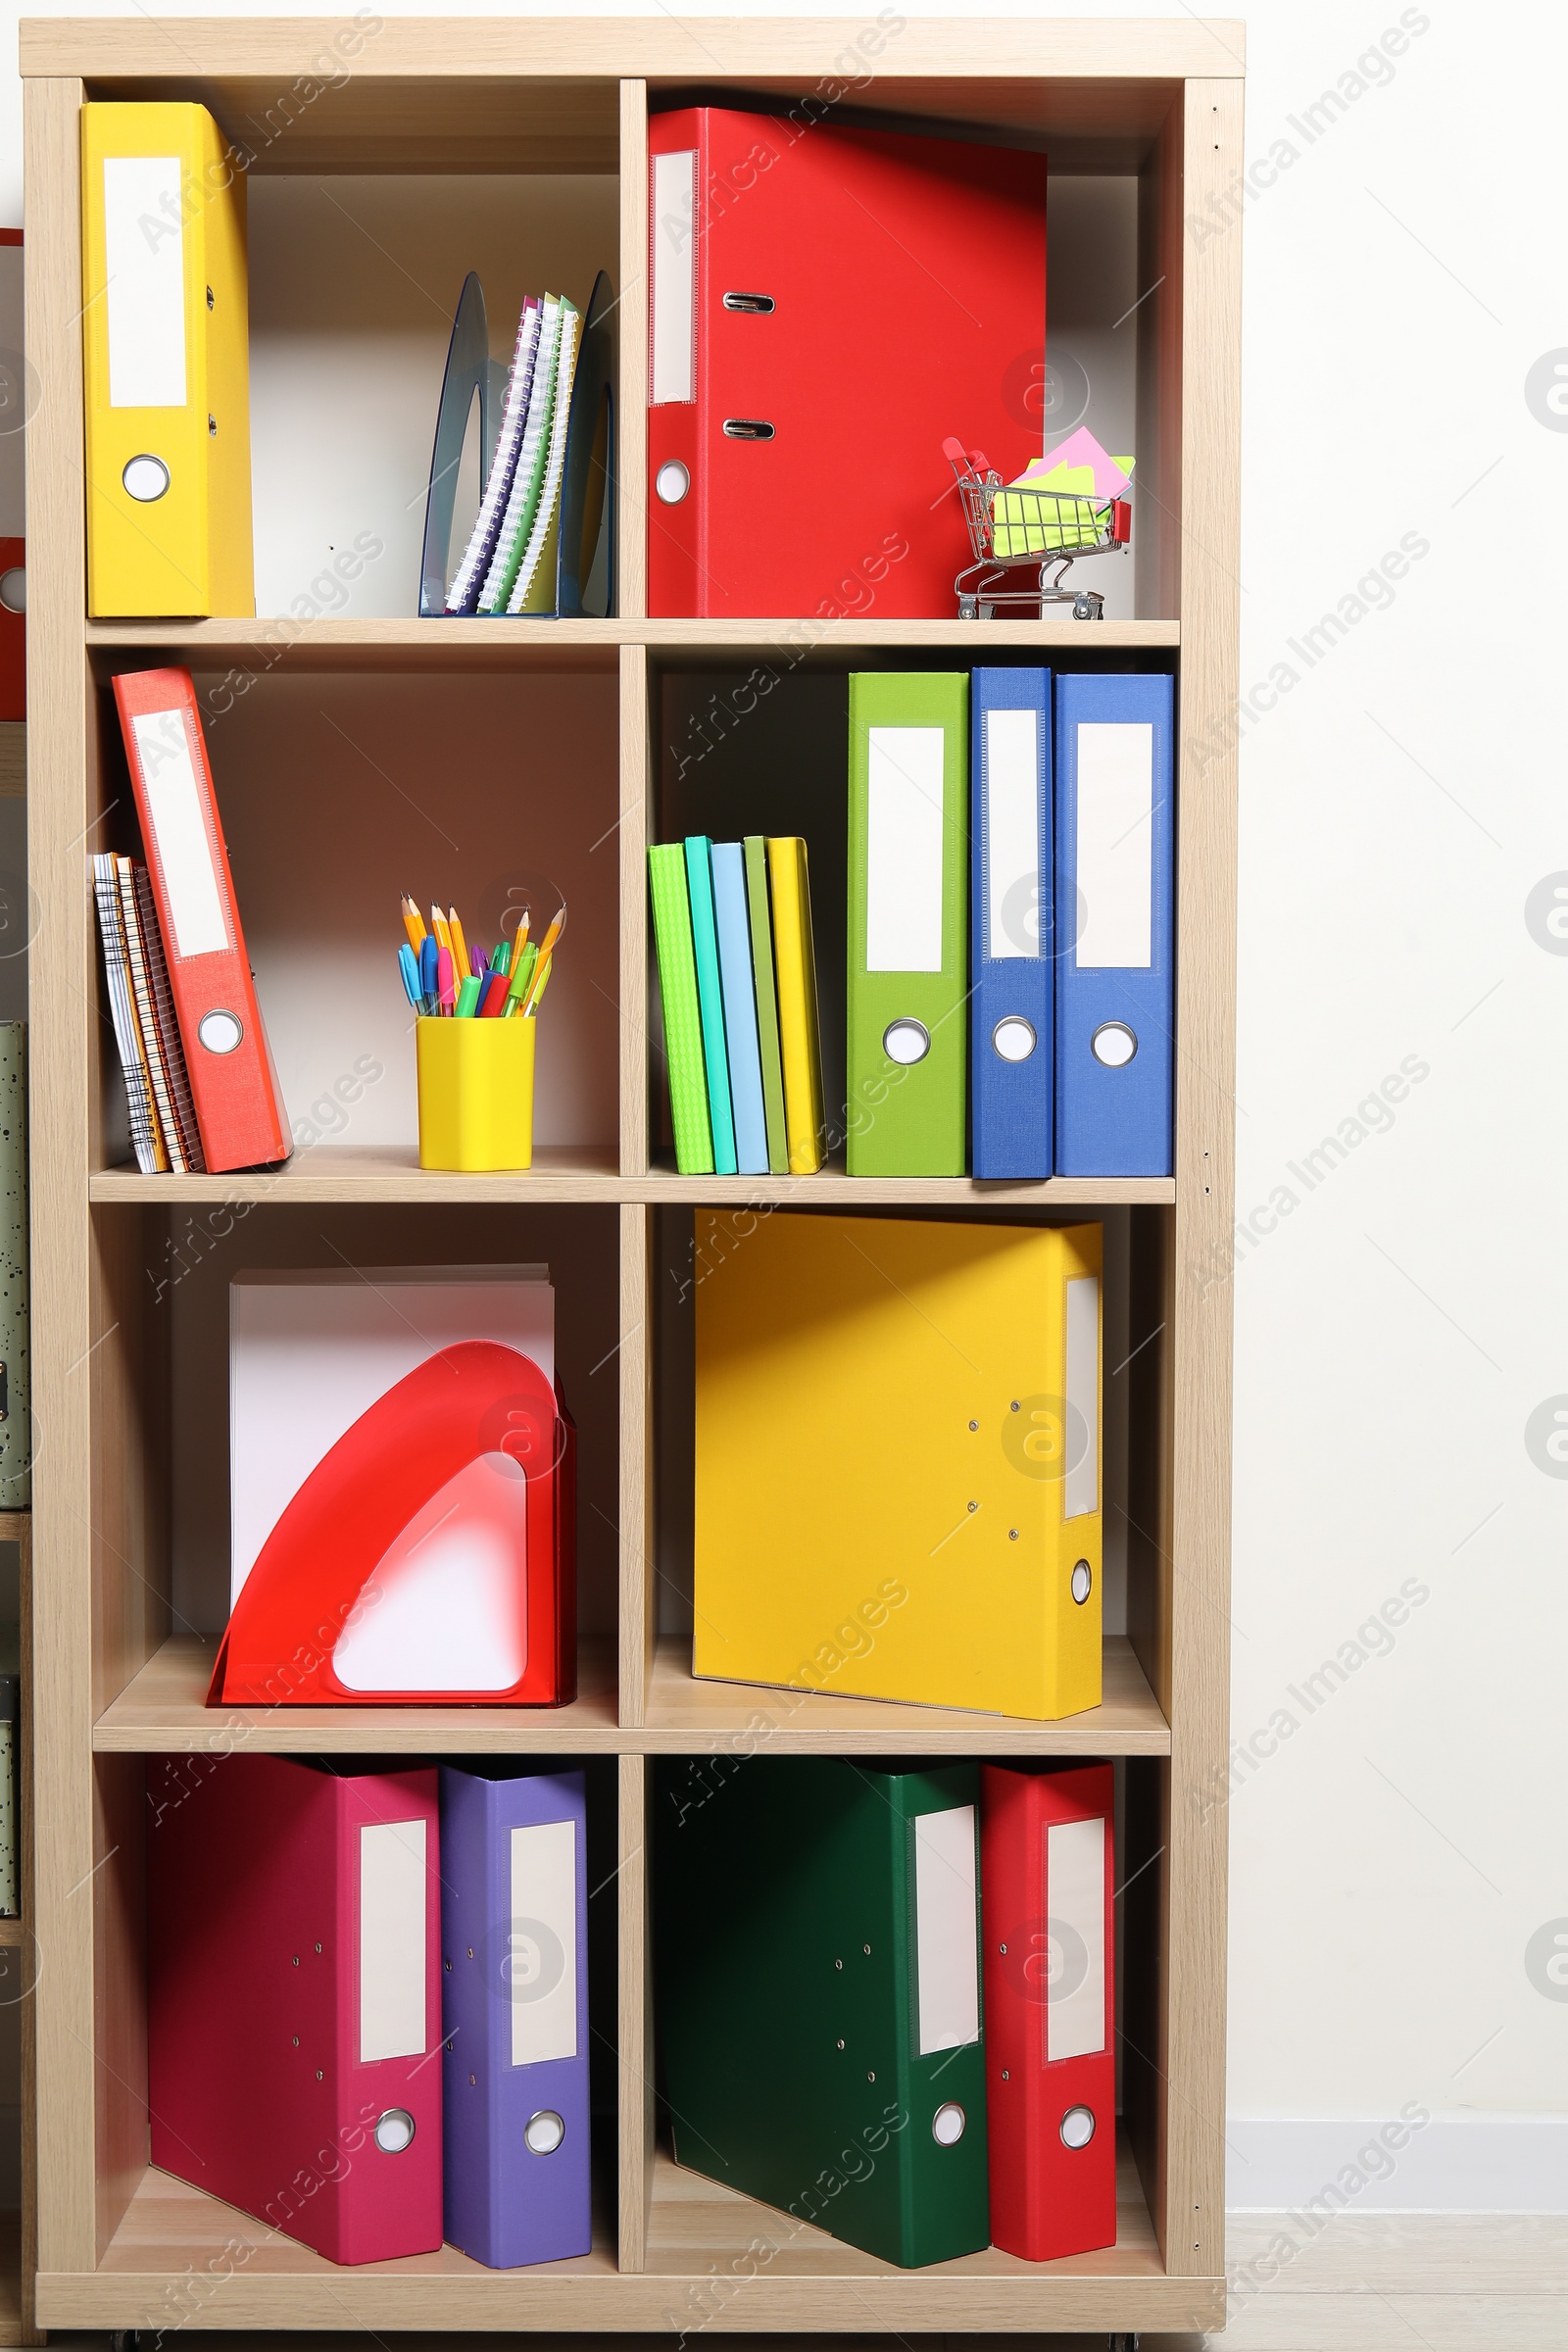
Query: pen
point(521, 973)
point(538, 990)
point(446, 984)
point(501, 961)
point(409, 966)
point(429, 971)
point(542, 958)
point(495, 996)
point(468, 997)
point(479, 962)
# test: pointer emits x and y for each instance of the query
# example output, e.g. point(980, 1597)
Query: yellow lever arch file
point(166, 357)
point(898, 1460)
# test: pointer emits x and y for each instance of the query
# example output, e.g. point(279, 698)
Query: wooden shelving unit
point(118, 1670)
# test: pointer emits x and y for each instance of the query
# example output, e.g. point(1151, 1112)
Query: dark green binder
point(818, 1994)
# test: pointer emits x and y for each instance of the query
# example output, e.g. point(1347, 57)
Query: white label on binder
point(674, 304)
point(144, 254)
point(540, 1963)
point(392, 1941)
point(947, 1967)
point(1081, 1485)
point(1115, 846)
point(904, 849)
point(183, 846)
point(1013, 833)
point(1075, 1896)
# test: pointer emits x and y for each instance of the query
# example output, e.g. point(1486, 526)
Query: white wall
point(1398, 1861)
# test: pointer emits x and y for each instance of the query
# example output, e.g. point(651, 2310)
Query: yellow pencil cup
point(475, 1093)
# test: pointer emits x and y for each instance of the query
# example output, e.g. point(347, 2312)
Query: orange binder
point(240, 1110)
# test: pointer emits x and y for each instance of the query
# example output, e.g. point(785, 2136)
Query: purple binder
point(514, 2012)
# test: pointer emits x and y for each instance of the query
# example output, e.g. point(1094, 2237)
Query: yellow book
point(166, 363)
point(898, 1460)
point(799, 1034)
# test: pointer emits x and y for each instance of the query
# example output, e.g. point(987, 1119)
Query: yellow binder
point(897, 1456)
point(166, 357)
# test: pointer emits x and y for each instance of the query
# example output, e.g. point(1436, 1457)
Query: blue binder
point(1011, 1035)
point(515, 2012)
point(1115, 965)
point(733, 922)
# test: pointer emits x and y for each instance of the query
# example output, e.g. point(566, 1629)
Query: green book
point(909, 963)
point(683, 1029)
point(779, 1156)
point(818, 1983)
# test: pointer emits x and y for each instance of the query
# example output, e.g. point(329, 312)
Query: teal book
point(766, 992)
point(683, 1027)
point(711, 999)
point(818, 1987)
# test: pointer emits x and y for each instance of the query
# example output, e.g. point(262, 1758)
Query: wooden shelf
point(703, 1717)
point(162, 1711)
point(12, 1932)
point(509, 645)
point(391, 1172)
point(12, 2331)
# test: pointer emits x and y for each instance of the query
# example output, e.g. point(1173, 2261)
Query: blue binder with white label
point(1011, 1041)
point(1115, 961)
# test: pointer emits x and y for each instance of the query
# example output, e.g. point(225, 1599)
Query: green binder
point(818, 1987)
point(677, 989)
point(755, 847)
point(908, 930)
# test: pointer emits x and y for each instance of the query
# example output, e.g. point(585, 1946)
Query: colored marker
point(409, 966)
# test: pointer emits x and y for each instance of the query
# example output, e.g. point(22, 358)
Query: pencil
point(411, 923)
point(438, 924)
point(459, 945)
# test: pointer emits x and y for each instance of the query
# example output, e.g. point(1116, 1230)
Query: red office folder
point(827, 305)
point(12, 629)
point(460, 1406)
point(294, 1996)
point(1046, 1883)
point(240, 1110)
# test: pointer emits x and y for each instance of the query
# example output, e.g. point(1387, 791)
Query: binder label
point(393, 1898)
point(180, 839)
point(904, 848)
point(1075, 1893)
point(144, 255)
point(1012, 835)
point(673, 371)
point(1115, 846)
point(540, 1964)
point(1081, 1484)
point(947, 1963)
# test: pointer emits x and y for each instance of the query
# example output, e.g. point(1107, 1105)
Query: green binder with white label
point(817, 1988)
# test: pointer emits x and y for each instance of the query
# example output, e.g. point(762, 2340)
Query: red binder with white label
point(294, 1995)
point(1046, 1883)
point(826, 305)
point(240, 1110)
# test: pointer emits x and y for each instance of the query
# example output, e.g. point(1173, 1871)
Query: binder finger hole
point(544, 2133)
point(1083, 1582)
point(905, 1042)
point(1078, 2126)
point(671, 482)
point(1015, 1038)
point(145, 478)
point(947, 2124)
point(1113, 1044)
point(394, 2130)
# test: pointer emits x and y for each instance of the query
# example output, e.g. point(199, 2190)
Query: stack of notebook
point(737, 977)
point(162, 1116)
point(509, 563)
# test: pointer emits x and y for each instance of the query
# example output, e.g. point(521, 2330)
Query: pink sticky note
point(1078, 450)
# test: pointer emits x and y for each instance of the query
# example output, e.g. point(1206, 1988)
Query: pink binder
point(294, 1996)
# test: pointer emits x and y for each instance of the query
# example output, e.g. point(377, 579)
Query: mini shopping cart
point(1017, 537)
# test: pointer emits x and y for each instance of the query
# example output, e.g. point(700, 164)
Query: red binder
point(294, 1996)
point(13, 554)
point(12, 629)
point(1047, 1881)
point(240, 1110)
point(461, 1407)
point(826, 305)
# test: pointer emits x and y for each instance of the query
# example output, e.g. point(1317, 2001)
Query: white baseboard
point(1450, 2163)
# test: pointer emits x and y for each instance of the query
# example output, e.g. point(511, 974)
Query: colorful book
point(474, 570)
point(165, 1021)
point(766, 998)
point(147, 1142)
point(733, 926)
point(711, 999)
point(817, 1981)
point(799, 1025)
point(683, 1029)
point(522, 499)
point(146, 1018)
